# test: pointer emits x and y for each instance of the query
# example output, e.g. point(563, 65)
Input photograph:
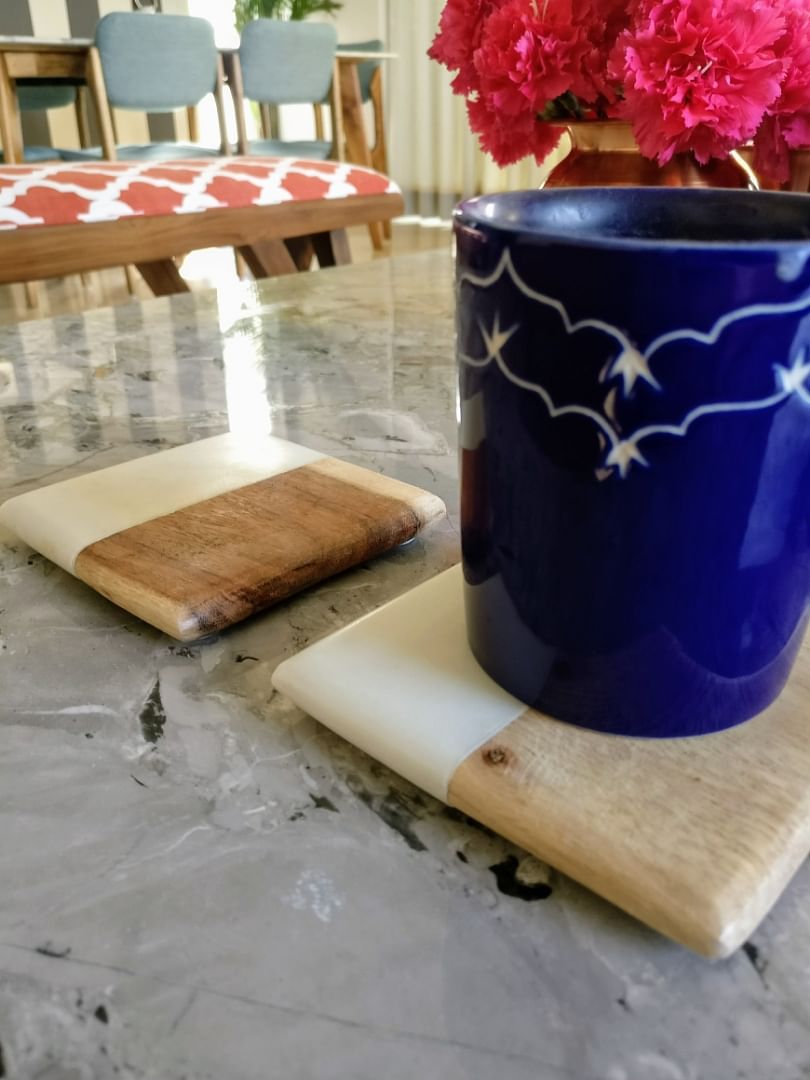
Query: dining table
point(45, 60)
point(198, 879)
point(38, 59)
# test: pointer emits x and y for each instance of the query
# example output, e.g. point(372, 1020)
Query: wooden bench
point(278, 213)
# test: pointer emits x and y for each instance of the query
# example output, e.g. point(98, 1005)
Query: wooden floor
point(210, 268)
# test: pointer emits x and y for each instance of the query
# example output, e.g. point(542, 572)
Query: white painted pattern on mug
point(632, 364)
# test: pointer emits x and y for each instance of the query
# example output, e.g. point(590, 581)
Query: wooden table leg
point(163, 277)
point(10, 128)
point(357, 148)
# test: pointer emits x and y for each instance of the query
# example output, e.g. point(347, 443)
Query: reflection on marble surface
point(198, 881)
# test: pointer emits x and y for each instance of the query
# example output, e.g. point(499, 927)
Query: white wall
point(361, 20)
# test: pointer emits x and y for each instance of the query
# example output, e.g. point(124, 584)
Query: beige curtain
point(433, 155)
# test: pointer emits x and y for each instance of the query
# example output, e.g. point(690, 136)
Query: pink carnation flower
point(699, 74)
point(604, 21)
point(704, 76)
point(787, 123)
point(460, 29)
point(525, 61)
point(508, 139)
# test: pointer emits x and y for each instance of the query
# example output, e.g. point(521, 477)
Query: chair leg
point(98, 91)
point(82, 119)
point(379, 159)
point(31, 294)
point(375, 231)
point(129, 274)
point(267, 121)
point(268, 258)
point(163, 277)
point(332, 248)
point(319, 130)
point(193, 124)
point(379, 152)
point(219, 101)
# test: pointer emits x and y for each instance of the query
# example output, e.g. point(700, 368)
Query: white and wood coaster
point(196, 538)
point(696, 837)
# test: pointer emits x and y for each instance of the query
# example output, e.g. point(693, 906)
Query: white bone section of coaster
point(402, 684)
point(62, 519)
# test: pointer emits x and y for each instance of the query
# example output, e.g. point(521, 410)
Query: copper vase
point(605, 154)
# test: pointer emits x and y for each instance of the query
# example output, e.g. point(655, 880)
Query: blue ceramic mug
point(635, 434)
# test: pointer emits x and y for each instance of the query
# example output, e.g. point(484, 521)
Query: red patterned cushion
point(64, 194)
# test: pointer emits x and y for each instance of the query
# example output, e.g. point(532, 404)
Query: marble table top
point(198, 881)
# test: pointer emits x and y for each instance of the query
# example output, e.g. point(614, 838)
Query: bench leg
point(332, 248)
point(301, 250)
point(163, 277)
point(375, 231)
point(268, 258)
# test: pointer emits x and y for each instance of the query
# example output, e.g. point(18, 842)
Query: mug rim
point(473, 213)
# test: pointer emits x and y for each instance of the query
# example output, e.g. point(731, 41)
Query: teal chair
point(290, 63)
point(156, 64)
point(40, 97)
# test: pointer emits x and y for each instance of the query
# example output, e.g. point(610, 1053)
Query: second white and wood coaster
point(196, 538)
point(696, 837)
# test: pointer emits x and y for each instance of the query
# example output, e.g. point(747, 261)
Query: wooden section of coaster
point(209, 565)
point(696, 837)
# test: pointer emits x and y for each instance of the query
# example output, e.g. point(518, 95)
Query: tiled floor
point(211, 267)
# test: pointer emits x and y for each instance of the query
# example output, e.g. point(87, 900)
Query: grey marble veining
point(198, 881)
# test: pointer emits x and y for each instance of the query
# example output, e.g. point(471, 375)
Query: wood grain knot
point(496, 755)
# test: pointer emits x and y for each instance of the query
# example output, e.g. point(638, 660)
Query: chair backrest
point(156, 63)
point(46, 96)
point(365, 69)
point(287, 63)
